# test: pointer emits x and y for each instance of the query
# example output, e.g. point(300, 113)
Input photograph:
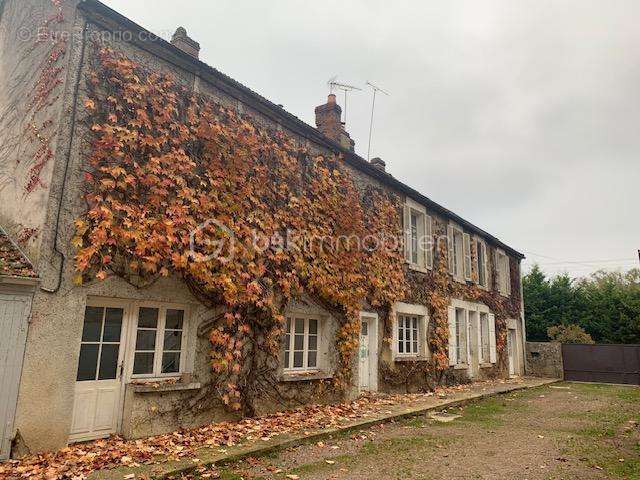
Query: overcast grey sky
point(521, 116)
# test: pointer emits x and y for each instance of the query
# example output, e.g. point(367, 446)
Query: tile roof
point(13, 262)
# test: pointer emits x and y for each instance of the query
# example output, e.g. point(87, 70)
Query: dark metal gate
point(602, 363)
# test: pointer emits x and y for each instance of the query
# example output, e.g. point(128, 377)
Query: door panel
point(84, 406)
point(364, 354)
point(98, 390)
point(511, 347)
point(368, 356)
point(106, 405)
point(14, 313)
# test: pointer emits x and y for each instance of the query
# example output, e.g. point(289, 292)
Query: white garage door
point(14, 313)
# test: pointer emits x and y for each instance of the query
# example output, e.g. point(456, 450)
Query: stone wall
point(544, 359)
point(34, 71)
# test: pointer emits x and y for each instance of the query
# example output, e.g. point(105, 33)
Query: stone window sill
point(411, 359)
point(418, 268)
point(486, 365)
point(153, 387)
point(305, 376)
point(461, 366)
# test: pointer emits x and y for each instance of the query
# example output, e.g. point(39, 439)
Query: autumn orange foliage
point(180, 184)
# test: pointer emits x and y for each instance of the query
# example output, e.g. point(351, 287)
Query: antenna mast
point(334, 84)
point(375, 89)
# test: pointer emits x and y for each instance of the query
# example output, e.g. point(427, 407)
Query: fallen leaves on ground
point(78, 460)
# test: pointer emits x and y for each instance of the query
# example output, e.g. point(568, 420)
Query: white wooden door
point(511, 347)
point(364, 354)
point(368, 355)
point(14, 319)
point(98, 392)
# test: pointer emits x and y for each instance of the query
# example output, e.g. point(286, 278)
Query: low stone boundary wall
point(544, 359)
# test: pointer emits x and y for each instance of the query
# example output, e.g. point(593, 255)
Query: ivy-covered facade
point(203, 254)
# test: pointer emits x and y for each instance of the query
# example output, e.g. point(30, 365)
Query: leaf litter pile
point(77, 461)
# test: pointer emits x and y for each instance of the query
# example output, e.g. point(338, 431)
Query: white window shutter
point(423, 342)
point(395, 334)
point(484, 264)
point(479, 338)
point(498, 275)
point(406, 214)
point(428, 241)
point(450, 247)
point(452, 336)
point(467, 256)
point(507, 275)
point(467, 339)
point(492, 338)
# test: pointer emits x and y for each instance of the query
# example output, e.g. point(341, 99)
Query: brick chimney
point(185, 43)
point(328, 118)
point(378, 163)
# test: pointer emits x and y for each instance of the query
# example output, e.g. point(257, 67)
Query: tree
point(606, 305)
point(569, 334)
point(535, 287)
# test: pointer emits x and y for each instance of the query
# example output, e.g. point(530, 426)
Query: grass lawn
point(562, 431)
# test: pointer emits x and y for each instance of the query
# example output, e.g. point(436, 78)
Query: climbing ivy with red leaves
point(44, 93)
point(181, 185)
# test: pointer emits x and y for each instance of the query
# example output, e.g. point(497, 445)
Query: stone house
point(109, 358)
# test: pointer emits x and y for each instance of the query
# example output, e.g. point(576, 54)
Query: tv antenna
point(334, 84)
point(376, 89)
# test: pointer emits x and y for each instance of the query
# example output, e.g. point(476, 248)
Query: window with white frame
point(409, 330)
point(418, 236)
point(481, 263)
point(100, 345)
point(408, 334)
point(466, 245)
point(472, 337)
point(159, 341)
point(503, 273)
point(485, 344)
point(301, 343)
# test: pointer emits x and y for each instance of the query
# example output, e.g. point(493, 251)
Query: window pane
point(287, 341)
point(143, 363)
point(313, 326)
point(313, 342)
point(171, 362)
point(148, 317)
point(400, 346)
point(299, 325)
point(174, 319)
point(415, 347)
point(108, 362)
point(414, 238)
point(92, 324)
point(286, 359)
point(298, 342)
point(88, 362)
point(172, 340)
point(297, 360)
point(288, 325)
point(112, 325)
point(312, 359)
point(146, 340)
point(364, 329)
